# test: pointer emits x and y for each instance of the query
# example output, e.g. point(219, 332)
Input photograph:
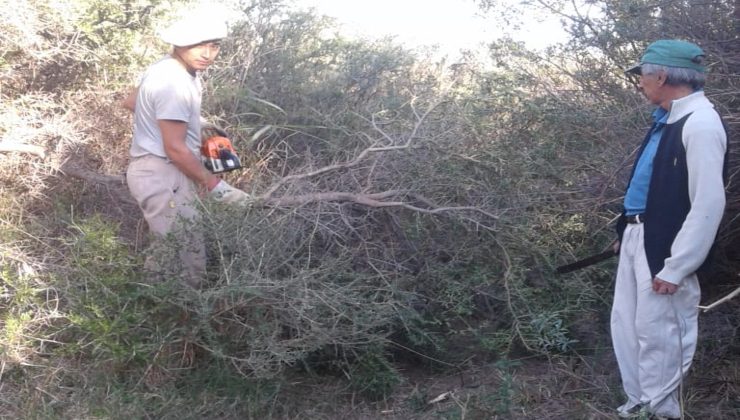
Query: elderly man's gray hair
point(677, 75)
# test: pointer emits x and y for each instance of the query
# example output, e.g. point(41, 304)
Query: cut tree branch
point(116, 184)
point(77, 171)
point(370, 200)
point(377, 200)
point(7, 146)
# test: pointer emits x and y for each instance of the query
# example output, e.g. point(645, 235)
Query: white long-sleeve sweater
point(705, 142)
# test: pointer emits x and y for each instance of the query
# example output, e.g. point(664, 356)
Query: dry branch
point(359, 158)
point(376, 200)
point(116, 184)
point(721, 301)
point(370, 200)
point(6, 146)
point(77, 171)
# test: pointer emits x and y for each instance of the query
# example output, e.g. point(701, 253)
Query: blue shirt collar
point(660, 115)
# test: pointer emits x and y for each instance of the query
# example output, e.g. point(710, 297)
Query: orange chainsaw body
point(219, 155)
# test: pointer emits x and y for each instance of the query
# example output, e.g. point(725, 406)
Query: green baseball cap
point(671, 53)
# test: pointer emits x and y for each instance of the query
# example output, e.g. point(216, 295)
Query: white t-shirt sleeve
point(172, 103)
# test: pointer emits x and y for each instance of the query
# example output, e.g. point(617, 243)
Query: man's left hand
point(227, 194)
point(663, 287)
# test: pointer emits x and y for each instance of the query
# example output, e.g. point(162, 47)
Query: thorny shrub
point(534, 157)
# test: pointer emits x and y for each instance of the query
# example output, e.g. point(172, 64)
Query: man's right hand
point(225, 193)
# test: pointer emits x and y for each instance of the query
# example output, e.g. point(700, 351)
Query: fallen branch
point(721, 301)
point(386, 143)
point(116, 184)
point(76, 171)
point(7, 146)
point(370, 200)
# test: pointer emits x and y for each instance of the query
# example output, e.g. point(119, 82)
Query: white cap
point(194, 29)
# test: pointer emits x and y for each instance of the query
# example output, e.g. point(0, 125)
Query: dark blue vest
point(668, 200)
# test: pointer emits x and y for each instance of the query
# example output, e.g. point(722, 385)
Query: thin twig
point(730, 296)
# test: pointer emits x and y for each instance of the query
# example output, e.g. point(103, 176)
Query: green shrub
point(373, 375)
point(104, 295)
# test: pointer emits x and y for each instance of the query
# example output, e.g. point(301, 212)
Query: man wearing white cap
point(165, 174)
point(673, 206)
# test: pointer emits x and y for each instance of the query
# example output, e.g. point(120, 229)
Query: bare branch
point(359, 158)
point(371, 200)
point(721, 301)
point(77, 171)
point(116, 184)
point(6, 146)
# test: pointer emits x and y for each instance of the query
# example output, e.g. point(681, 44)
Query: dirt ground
point(566, 387)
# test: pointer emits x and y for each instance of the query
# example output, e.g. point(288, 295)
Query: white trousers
point(167, 197)
point(654, 336)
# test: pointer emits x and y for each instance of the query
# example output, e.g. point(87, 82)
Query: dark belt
point(636, 218)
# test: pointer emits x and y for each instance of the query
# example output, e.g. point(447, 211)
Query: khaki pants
point(167, 198)
point(654, 336)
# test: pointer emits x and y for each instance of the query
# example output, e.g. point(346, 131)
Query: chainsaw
point(216, 151)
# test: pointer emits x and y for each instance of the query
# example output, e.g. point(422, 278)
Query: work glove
point(225, 193)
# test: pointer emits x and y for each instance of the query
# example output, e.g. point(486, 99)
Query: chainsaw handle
point(208, 130)
point(220, 131)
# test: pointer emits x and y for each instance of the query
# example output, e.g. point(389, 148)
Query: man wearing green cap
point(672, 209)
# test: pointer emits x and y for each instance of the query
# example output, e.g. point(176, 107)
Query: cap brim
point(635, 69)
